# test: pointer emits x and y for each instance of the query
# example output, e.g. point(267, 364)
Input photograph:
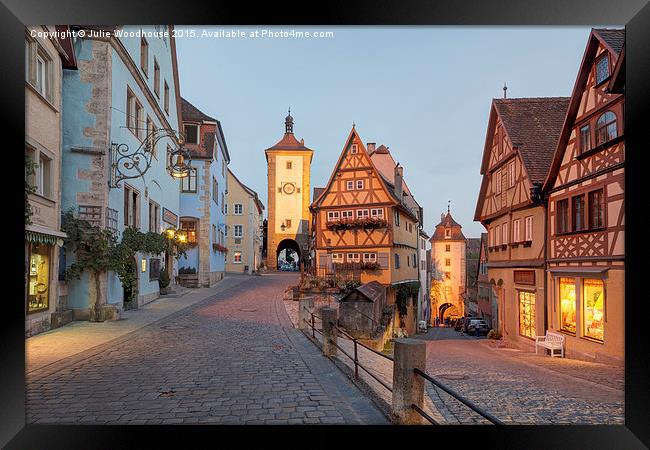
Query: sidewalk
point(52, 346)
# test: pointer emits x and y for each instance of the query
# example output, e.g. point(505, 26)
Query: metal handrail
point(424, 414)
point(356, 363)
point(361, 344)
point(459, 397)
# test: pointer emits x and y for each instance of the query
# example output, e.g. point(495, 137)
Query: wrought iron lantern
point(127, 165)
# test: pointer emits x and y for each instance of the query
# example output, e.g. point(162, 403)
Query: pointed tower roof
point(448, 222)
point(289, 141)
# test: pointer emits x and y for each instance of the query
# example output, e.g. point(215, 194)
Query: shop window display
point(593, 309)
point(39, 278)
point(568, 304)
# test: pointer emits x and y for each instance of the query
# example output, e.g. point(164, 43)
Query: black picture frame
point(634, 14)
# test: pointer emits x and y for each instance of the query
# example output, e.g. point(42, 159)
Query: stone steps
point(175, 291)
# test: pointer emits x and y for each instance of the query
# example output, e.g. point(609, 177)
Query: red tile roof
point(534, 126)
point(192, 114)
point(614, 37)
point(448, 222)
point(289, 142)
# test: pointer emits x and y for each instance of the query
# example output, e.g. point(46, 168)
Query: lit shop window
point(39, 278)
point(527, 314)
point(568, 304)
point(593, 308)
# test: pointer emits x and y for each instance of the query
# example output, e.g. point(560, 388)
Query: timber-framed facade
point(586, 208)
point(359, 220)
point(521, 138)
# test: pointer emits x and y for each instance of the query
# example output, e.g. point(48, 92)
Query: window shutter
point(382, 260)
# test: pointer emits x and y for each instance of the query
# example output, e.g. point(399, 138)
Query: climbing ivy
point(403, 293)
point(30, 169)
point(97, 250)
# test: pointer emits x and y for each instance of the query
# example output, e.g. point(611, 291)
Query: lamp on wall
point(283, 226)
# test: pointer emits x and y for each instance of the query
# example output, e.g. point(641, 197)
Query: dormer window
point(602, 69)
point(191, 134)
point(447, 233)
point(354, 150)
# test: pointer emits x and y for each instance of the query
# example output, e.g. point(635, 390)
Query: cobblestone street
point(520, 387)
point(232, 358)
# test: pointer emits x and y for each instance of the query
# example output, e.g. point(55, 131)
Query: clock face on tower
point(289, 188)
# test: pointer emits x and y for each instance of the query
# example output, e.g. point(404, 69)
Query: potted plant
point(163, 282)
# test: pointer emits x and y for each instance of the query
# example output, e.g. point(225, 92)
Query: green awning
point(40, 238)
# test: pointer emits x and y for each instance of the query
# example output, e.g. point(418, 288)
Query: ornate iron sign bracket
point(127, 165)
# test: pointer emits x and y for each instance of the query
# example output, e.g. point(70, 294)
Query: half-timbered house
point(521, 137)
point(362, 220)
point(586, 214)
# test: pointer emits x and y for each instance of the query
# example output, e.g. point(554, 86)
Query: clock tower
point(289, 168)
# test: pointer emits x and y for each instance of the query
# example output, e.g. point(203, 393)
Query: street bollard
point(305, 307)
point(329, 316)
point(408, 387)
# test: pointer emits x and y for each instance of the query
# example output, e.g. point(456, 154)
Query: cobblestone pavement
point(232, 358)
point(520, 387)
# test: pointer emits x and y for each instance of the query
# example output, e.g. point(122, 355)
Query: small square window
point(289, 165)
point(350, 185)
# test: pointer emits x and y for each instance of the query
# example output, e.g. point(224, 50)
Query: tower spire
point(448, 206)
point(505, 89)
point(288, 123)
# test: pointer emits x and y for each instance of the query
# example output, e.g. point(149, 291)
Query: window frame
point(528, 230)
point(190, 180)
point(562, 216)
point(605, 126)
point(156, 210)
point(603, 56)
point(196, 134)
point(578, 213)
point(156, 77)
point(377, 213)
point(144, 56)
point(239, 227)
point(166, 95)
point(601, 209)
point(532, 305)
point(584, 138)
point(361, 183)
point(349, 185)
point(241, 209)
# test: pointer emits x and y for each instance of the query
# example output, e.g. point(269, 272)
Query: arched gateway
point(288, 251)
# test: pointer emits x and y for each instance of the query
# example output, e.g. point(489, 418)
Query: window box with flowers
point(363, 222)
point(370, 266)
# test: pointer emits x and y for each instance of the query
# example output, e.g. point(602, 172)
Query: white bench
point(552, 341)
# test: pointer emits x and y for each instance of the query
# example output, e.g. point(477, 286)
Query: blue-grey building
point(126, 87)
point(203, 197)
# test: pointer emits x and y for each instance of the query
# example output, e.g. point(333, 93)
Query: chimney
point(371, 147)
point(399, 173)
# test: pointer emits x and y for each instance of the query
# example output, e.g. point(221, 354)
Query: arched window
point(606, 128)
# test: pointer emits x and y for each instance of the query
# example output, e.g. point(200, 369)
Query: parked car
point(480, 324)
point(467, 322)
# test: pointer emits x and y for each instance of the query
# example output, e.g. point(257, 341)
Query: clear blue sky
point(424, 92)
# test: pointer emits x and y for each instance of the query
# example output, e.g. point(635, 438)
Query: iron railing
point(458, 397)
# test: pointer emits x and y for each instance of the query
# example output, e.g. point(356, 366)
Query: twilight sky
point(424, 92)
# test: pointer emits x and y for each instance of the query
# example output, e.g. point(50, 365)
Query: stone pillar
point(305, 306)
point(408, 388)
point(329, 316)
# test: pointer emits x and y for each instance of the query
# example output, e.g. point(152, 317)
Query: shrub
point(163, 279)
point(494, 334)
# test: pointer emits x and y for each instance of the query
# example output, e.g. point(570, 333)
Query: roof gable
point(353, 138)
point(613, 40)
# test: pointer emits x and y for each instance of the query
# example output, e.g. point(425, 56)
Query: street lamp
point(127, 165)
point(283, 226)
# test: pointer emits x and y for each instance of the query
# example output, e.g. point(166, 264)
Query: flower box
point(219, 248)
